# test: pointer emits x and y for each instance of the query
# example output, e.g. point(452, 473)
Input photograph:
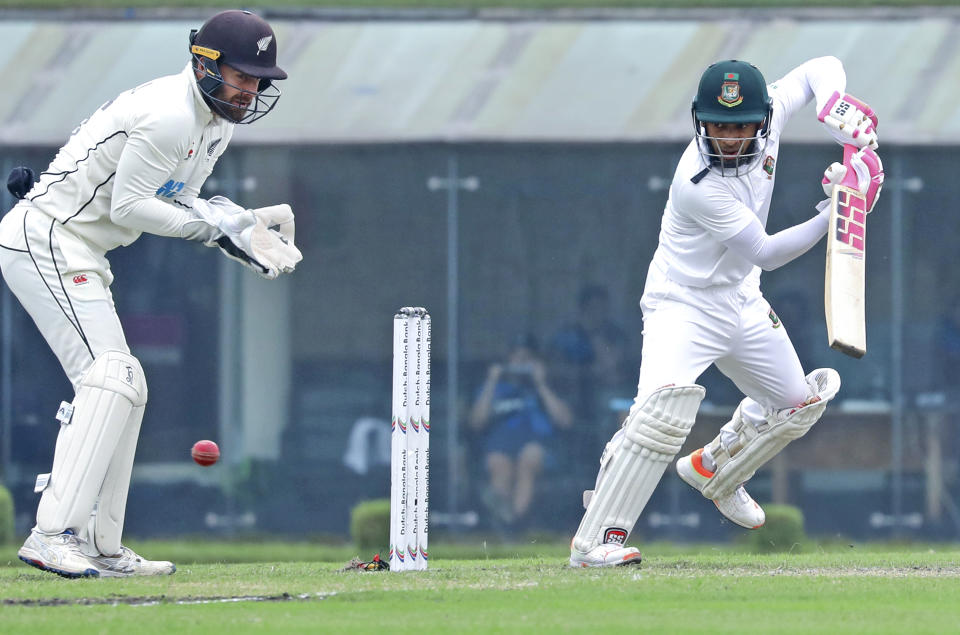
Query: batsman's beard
point(235, 109)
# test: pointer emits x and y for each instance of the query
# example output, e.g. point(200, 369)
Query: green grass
point(469, 4)
point(528, 587)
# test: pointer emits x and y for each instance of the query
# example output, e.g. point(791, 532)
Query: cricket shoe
point(128, 564)
point(737, 506)
point(57, 553)
point(605, 555)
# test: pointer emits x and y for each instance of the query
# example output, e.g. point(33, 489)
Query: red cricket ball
point(205, 452)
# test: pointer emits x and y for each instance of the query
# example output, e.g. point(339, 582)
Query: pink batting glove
point(861, 170)
point(864, 108)
point(850, 121)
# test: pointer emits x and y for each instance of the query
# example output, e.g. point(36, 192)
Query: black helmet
point(732, 92)
point(245, 42)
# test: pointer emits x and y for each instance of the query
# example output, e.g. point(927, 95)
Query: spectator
point(520, 413)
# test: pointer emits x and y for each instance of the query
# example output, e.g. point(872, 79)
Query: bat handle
point(850, 179)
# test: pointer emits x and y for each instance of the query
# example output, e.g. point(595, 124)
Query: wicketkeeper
point(702, 303)
point(135, 165)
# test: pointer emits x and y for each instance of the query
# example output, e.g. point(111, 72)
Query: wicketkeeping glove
point(246, 237)
point(279, 220)
point(861, 170)
point(850, 121)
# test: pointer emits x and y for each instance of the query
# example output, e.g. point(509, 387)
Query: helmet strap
point(212, 79)
point(209, 83)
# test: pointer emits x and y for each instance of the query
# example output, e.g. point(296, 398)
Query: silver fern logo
point(263, 43)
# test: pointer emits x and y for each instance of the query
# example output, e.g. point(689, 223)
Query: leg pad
point(738, 461)
point(112, 392)
point(634, 463)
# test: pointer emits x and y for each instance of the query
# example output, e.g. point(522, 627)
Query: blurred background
point(506, 168)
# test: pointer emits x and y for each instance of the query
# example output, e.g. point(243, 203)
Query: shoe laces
point(130, 554)
point(126, 555)
point(67, 538)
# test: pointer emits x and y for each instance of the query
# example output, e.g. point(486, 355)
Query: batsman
point(135, 165)
point(702, 303)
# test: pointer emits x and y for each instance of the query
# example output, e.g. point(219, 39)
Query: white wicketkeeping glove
point(850, 121)
point(861, 170)
point(247, 238)
point(279, 219)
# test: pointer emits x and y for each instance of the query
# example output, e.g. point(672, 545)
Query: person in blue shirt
point(519, 413)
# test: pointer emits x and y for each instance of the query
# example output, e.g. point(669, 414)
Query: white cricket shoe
point(57, 553)
point(737, 506)
point(605, 555)
point(127, 564)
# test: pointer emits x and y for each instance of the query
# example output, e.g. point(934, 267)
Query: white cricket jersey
point(699, 216)
point(133, 166)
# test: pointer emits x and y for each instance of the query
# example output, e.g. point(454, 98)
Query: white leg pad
point(652, 437)
point(739, 460)
point(106, 523)
point(110, 393)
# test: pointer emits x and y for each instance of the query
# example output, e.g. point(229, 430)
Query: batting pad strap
point(652, 436)
point(65, 412)
point(41, 483)
point(755, 445)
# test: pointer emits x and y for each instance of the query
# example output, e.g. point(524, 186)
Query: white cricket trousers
point(73, 309)
point(685, 329)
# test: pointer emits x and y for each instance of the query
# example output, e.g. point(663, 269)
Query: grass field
point(282, 587)
point(290, 588)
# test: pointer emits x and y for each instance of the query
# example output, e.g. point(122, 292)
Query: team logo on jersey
point(730, 90)
point(773, 318)
point(263, 43)
point(213, 146)
point(80, 279)
point(170, 189)
point(189, 155)
point(768, 164)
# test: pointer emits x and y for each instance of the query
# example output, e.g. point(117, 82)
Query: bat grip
point(850, 179)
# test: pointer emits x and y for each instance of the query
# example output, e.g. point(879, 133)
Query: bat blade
point(844, 286)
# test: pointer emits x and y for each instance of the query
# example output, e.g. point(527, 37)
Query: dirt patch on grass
point(162, 599)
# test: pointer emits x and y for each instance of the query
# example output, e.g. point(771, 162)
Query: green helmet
point(733, 92)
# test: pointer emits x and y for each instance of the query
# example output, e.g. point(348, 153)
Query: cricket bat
point(846, 265)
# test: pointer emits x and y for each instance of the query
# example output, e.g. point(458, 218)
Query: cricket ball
point(205, 452)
